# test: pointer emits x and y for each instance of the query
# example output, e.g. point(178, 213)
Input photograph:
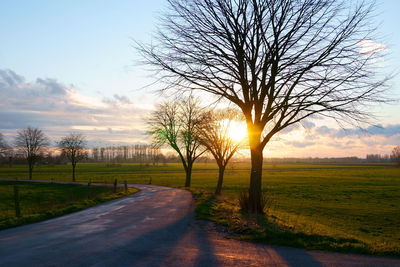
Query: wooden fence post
point(126, 186)
point(16, 201)
point(115, 186)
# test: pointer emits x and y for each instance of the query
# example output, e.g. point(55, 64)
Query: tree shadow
point(186, 242)
point(176, 244)
point(274, 234)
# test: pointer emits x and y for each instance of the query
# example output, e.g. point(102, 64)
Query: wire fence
point(17, 200)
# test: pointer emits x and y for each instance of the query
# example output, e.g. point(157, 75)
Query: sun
point(236, 130)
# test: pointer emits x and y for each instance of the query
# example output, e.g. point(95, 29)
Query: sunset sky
point(70, 66)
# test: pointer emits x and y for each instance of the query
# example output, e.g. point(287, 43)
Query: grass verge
point(42, 201)
point(271, 229)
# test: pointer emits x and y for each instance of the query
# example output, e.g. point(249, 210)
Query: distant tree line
point(138, 153)
point(376, 158)
point(370, 158)
point(73, 148)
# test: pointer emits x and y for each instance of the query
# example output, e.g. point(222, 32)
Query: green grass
point(41, 201)
point(344, 208)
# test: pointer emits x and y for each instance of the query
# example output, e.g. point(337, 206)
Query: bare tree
point(31, 142)
point(174, 124)
point(395, 156)
point(73, 146)
point(214, 133)
point(3, 146)
point(279, 61)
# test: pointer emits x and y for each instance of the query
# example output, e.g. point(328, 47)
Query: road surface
point(155, 227)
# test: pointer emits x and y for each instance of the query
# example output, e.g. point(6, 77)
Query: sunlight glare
point(237, 130)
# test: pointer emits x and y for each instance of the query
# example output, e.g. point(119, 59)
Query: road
point(155, 227)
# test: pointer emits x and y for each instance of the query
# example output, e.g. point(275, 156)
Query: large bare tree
point(279, 61)
point(31, 142)
point(174, 124)
point(73, 146)
point(214, 134)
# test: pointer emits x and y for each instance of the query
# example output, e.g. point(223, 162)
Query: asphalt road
point(155, 227)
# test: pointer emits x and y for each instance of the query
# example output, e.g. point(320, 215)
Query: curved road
point(154, 227)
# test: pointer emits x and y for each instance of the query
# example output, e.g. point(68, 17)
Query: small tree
point(3, 146)
point(174, 124)
point(214, 134)
point(395, 156)
point(73, 146)
point(31, 142)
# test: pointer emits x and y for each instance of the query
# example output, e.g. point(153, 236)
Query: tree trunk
point(188, 174)
point(73, 172)
point(255, 181)
point(30, 169)
point(256, 152)
point(30, 172)
point(220, 179)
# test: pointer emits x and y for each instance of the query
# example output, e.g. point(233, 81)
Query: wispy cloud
point(387, 130)
point(369, 47)
point(313, 141)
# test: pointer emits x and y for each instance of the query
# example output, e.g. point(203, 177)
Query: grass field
point(40, 201)
point(344, 208)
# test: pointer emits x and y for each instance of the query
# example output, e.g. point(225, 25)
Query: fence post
point(16, 200)
point(90, 182)
point(115, 186)
point(126, 186)
point(150, 180)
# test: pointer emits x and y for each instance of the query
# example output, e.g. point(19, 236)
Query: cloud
point(117, 100)
point(327, 141)
point(308, 124)
point(59, 109)
point(122, 99)
point(51, 86)
point(300, 144)
point(388, 131)
point(289, 129)
point(324, 130)
point(369, 47)
point(8, 78)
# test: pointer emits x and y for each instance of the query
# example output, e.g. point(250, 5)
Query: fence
point(17, 200)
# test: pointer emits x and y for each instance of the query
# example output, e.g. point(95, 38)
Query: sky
point(70, 66)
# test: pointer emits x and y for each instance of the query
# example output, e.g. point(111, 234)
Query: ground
point(345, 207)
point(154, 227)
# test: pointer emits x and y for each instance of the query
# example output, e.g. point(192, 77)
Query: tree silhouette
point(279, 61)
point(73, 146)
point(3, 145)
point(214, 133)
point(31, 142)
point(395, 156)
point(174, 124)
